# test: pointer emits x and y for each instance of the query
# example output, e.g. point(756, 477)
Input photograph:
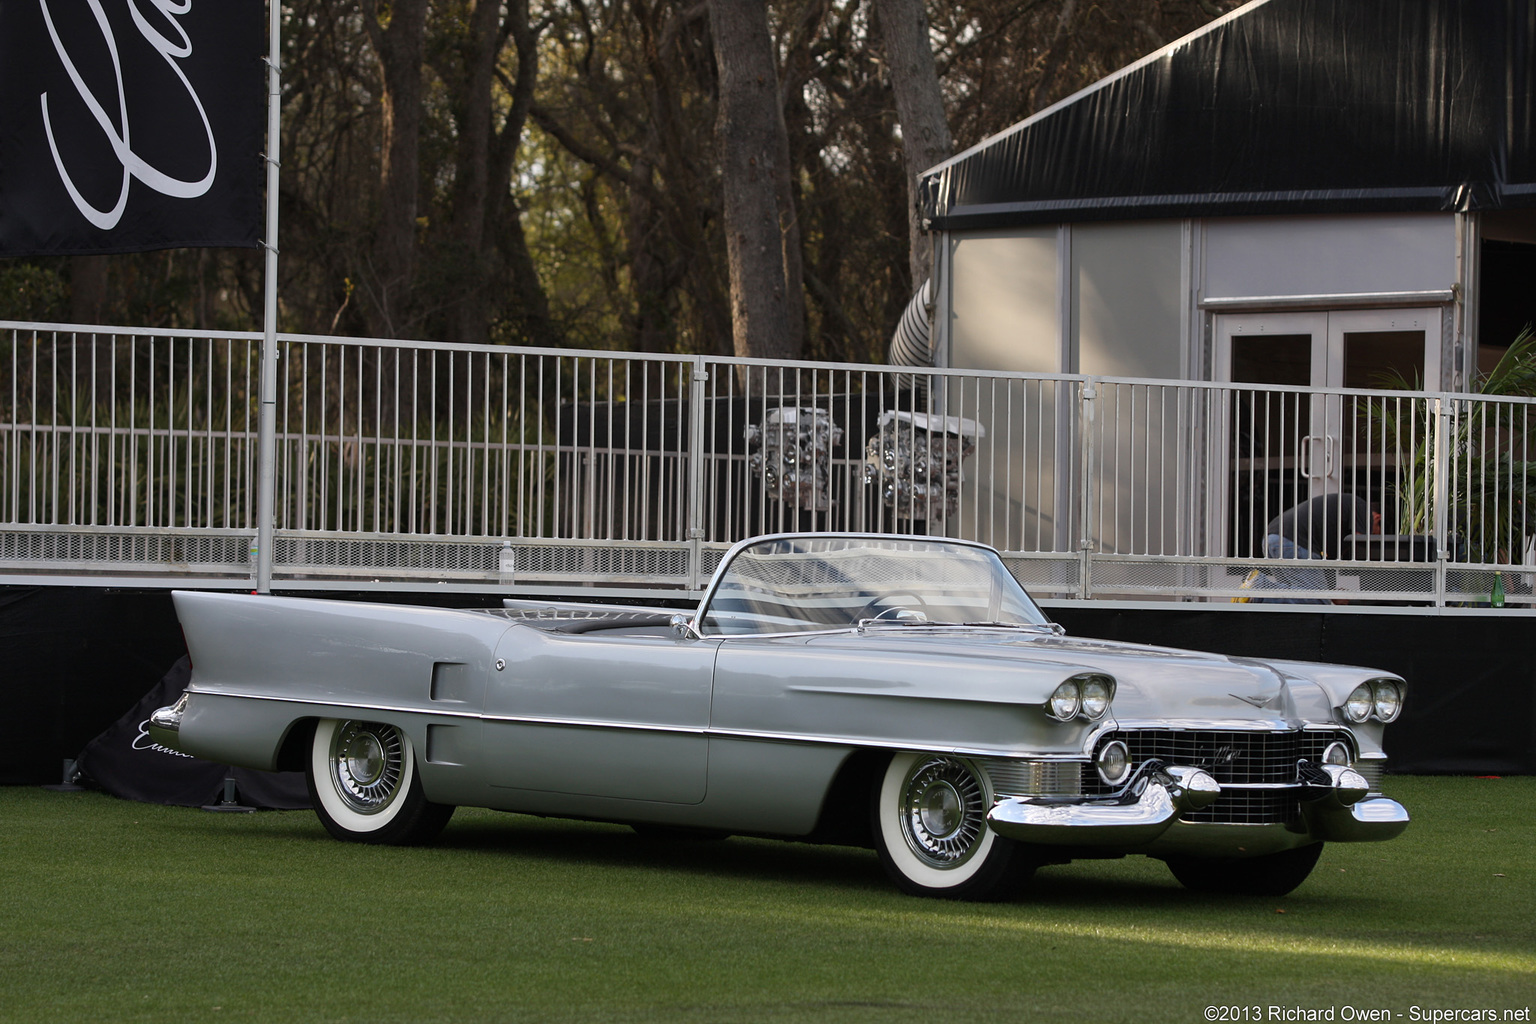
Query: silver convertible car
point(903, 693)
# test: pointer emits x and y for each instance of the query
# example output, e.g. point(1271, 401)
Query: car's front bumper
point(1146, 816)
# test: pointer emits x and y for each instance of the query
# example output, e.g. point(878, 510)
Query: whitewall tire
point(364, 787)
point(932, 834)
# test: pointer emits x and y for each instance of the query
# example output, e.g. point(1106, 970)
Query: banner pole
point(266, 439)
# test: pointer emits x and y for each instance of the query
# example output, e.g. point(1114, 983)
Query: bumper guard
point(1335, 808)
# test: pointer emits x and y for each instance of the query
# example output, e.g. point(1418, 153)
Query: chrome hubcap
point(367, 763)
point(943, 812)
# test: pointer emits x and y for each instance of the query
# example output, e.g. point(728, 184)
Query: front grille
point(1235, 758)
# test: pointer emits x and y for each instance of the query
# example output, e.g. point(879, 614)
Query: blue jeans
point(1288, 577)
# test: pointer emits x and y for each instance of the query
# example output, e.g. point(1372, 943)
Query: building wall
point(1327, 256)
point(1126, 299)
point(1097, 299)
point(1137, 299)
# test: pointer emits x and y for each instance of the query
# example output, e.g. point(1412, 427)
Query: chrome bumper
point(1369, 821)
point(165, 724)
point(1150, 803)
point(1335, 808)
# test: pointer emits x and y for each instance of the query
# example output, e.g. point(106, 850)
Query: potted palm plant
point(1490, 478)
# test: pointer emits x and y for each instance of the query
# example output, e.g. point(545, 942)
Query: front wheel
point(363, 784)
point(931, 831)
point(1272, 874)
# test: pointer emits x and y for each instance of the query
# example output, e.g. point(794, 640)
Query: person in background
point(1319, 527)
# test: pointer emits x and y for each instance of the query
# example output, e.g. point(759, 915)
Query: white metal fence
point(133, 455)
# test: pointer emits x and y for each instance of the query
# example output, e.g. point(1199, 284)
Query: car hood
point(1152, 683)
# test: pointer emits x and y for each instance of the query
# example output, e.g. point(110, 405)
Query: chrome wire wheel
point(367, 765)
point(364, 785)
point(943, 811)
point(929, 818)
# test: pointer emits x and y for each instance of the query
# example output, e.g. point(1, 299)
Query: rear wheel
point(363, 784)
point(930, 826)
point(1273, 874)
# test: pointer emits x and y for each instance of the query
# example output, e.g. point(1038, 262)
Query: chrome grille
point(1236, 758)
point(1034, 778)
point(1373, 770)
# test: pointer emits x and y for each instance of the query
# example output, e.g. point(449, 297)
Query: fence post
point(1087, 394)
point(1438, 491)
point(700, 376)
point(266, 437)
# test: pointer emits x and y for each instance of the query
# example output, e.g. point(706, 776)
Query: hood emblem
point(1259, 701)
point(1219, 757)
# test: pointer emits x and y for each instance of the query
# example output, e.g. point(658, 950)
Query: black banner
point(128, 125)
point(126, 763)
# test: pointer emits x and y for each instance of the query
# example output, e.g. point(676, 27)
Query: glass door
point(1268, 446)
point(1286, 440)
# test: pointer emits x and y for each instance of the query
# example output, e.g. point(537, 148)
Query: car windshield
point(796, 584)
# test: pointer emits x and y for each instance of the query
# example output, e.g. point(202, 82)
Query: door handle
point(1305, 461)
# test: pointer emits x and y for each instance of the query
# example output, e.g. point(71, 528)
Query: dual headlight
point(1083, 696)
point(1381, 699)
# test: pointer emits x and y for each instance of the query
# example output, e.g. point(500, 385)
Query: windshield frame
point(1026, 612)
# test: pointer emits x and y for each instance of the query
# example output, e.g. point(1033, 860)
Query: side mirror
point(680, 627)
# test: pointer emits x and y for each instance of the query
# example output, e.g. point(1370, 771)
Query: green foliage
point(1490, 479)
point(33, 290)
point(125, 912)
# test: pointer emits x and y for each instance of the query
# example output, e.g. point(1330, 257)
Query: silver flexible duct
point(912, 344)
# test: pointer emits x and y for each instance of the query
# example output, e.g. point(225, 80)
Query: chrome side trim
point(584, 723)
point(432, 712)
point(978, 753)
point(707, 731)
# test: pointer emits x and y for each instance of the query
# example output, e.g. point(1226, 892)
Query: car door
point(595, 715)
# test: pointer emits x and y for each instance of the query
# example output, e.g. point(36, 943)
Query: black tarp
point(124, 762)
point(72, 659)
point(1471, 700)
point(1282, 106)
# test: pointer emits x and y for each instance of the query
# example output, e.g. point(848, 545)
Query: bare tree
point(399, 45)
point(925, 139)
point(481, 243)
point(762, 235)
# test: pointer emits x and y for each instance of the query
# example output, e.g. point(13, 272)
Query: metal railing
point(134, 454)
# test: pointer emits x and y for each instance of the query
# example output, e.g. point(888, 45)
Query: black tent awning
point(1282, 106)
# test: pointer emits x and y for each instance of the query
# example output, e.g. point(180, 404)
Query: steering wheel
point(869, 611)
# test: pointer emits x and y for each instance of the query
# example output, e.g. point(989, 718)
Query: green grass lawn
point(116, 911)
